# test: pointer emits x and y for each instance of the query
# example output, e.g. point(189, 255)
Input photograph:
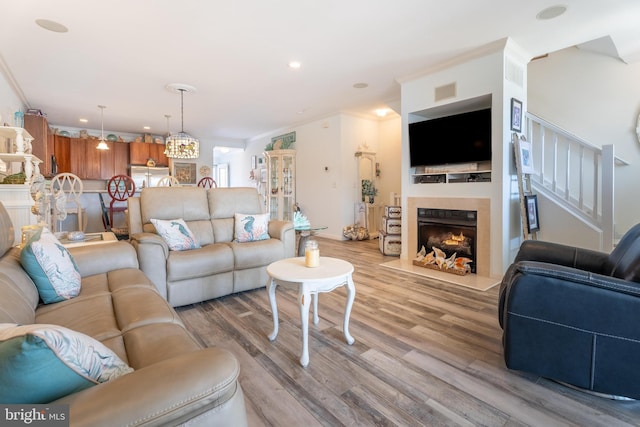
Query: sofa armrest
point(165, 393)
point(284, 231)
point(90, 258)
point(569, 256)
point(152, 253)
point(556, 284)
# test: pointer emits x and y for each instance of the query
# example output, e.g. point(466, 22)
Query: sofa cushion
point(176, 233)
point(51, 267)
point(41, 363)
point(251, 227)
point(206, 261)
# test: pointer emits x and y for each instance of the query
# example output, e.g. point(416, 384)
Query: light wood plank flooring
point(426, 353)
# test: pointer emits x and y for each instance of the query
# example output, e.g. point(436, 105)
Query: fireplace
point(452, 231)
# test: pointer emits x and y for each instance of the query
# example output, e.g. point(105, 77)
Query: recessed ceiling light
point(381, 112)
point(56, 27)
point(84, 121)
point(361, 85)
point(551, 12)
point(146, 127)
point(295, 65)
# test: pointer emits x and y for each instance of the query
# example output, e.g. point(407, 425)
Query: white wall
point(597, 98)
point(9, 102)
point(327, 196)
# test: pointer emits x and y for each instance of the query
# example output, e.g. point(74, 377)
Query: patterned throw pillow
point(41, 363)
point(249, 228)
point(51, 267)
point(176, 233)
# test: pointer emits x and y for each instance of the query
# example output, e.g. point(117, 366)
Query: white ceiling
point(122, 54)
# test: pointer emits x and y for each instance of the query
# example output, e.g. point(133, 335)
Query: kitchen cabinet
point(62, 152)
point(120, 158)
point(42, 142)
point(92, 158)
point(281, 183)
point(140, 152)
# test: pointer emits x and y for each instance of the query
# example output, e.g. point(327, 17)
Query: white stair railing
point(574, 174)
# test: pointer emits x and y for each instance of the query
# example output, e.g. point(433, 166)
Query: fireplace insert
point(452, 231)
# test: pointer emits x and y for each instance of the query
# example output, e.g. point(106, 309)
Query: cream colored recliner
point(221, 266)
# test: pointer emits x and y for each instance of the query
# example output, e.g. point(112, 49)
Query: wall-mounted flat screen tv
point(460, 138)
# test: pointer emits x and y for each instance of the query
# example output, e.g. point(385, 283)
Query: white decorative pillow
point(251, 227)
point(42, 363)
point(176, 233)
point(51, 267)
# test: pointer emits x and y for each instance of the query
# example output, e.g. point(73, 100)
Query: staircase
point(575, 174)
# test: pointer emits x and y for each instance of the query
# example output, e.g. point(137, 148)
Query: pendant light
point(181, 145)
point(102, 145)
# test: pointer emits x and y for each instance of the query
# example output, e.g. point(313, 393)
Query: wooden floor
point(426, 353)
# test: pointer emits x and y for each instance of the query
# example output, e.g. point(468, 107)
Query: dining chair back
point(120, 188)
point(207, 182)
point(169, 181)
point(71, 186)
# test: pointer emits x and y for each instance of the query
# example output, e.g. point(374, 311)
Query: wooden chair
point(120, 188)
point(207, 182)
point(169, 181)
point(72, 187)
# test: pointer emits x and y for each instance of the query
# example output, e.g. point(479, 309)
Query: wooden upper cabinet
point(120, 158)
point(42, 142)
point(156, 152)
point(77, 158)
point(62, 152)
point(138, 153)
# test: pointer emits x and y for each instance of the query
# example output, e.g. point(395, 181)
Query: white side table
point(292, 273)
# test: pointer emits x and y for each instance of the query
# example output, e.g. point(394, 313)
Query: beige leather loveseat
point(221, 266)
point(175, 381)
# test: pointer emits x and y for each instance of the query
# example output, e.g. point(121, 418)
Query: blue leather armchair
point(573, 315)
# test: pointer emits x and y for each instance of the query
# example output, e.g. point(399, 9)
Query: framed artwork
point(185, 173)
point(526, 157)
point(254, 162)
point(516, 115)
point(533, 223)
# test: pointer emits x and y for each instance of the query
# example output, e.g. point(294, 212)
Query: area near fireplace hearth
point(481, 206)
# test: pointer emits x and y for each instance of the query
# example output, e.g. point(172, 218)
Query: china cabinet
point(281, 183)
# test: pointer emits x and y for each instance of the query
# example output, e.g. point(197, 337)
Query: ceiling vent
point(446, 91)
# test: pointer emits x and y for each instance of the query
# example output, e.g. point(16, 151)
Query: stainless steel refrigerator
point(145, 176)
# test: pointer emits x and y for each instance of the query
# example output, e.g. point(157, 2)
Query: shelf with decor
point(20, 142)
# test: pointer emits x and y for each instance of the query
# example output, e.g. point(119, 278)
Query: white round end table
point(293, 274)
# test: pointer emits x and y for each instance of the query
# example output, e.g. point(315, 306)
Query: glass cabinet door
point(281, 185)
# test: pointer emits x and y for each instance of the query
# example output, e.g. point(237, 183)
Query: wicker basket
point(444, 270)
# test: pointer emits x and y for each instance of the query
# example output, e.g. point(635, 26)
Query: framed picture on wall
point(533, 223)
point(185, 173)
point(516, 115)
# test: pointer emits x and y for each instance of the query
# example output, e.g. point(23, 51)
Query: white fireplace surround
point(483, 234)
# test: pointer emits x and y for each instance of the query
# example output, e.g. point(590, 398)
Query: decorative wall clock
point(205, 170)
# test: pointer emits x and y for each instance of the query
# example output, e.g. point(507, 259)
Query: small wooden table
point(292, 273)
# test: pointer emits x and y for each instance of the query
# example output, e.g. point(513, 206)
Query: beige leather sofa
point(221, 266)
point(175, 381)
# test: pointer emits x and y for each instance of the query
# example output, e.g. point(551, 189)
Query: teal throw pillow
point(51, 267)
point(176, 233)
point(42, 363)
point(251, 227)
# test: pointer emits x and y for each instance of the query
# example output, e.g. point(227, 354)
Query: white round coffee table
point(293, 274)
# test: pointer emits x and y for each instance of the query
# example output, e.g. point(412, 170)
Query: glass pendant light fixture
point(102, 145)
point(181, 145)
